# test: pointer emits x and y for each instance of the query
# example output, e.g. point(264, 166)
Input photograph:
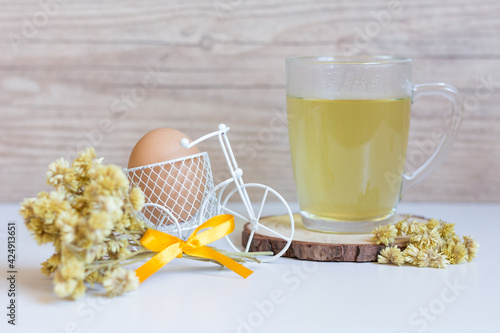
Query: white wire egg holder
point(178, 211)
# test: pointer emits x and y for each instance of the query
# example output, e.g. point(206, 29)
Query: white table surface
point(284, 296)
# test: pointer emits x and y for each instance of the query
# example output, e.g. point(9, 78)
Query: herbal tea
point(348, 155)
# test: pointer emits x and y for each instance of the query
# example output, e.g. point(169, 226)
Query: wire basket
point(174, 191)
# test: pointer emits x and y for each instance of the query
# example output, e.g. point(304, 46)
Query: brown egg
point(159, 145)
point(177, 186)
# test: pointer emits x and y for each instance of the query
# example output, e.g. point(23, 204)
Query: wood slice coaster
point(318, 246)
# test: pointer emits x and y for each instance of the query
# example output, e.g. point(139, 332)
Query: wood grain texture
point(105, 73)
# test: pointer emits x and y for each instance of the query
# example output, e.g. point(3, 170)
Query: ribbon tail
point(206, 252)
point(158, 261)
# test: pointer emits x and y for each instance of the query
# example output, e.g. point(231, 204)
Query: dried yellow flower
point(433, 244)
point(411, 254)
point(391, 255)
point(439, 261)
point(83, 164)
point(60, 174)
point(447, 230)
point(94, 277)
point(114, 246)
point(425, 237)
point(407, 227)
point(424, 257)
point(63, 287)
point(456, 253)
point(118, 281)
point(427, 257)
point(101, 221)
point(41, 214)
point(96, 252)
point(67, 222)
point(133, 224)
point(472, 247)
point(402, 226)
point(27, 210)
point(50, 265)
point(432, 223)
point(124, 253)
point(71, 267)
point(79, 290)
point(385, 234)
point(137, 198)
point(113, 205)
point(56, 172)
point(430, 257)
point(111, 180)
point(90, 219)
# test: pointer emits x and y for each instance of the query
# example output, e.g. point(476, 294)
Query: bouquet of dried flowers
point(432, 244)
point(91, 220)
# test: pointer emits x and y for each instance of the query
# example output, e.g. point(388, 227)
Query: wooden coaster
point(318, 246)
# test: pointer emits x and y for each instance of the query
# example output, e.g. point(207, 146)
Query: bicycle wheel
point(269, 199)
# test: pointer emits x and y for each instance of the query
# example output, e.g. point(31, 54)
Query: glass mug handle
point(450, 93)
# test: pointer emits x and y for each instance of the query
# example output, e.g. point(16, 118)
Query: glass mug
point(348, 124)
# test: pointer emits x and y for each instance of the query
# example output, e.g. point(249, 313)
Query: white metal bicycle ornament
point(193, 174)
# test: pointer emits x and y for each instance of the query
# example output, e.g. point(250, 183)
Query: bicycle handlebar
point(185, 141)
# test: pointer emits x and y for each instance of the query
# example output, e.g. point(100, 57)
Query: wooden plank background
point(72, 73)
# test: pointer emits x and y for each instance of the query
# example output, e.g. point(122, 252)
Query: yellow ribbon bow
point(169, 247)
